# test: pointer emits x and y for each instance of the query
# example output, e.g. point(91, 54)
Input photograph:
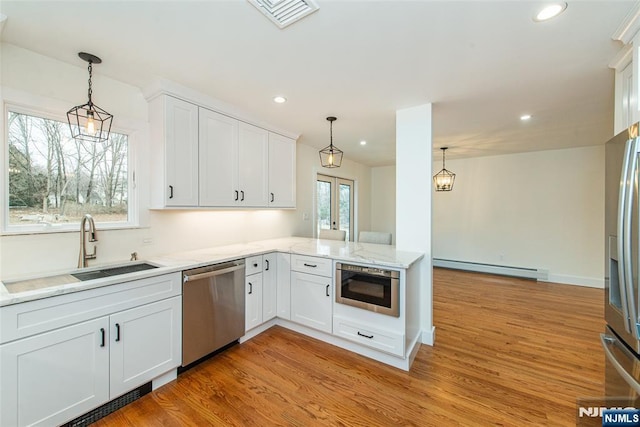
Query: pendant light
point(89, 122)
point(331, 156)
point(444, 179)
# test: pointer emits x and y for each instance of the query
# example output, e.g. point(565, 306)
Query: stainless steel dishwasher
point(212, 308)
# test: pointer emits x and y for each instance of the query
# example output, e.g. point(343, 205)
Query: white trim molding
point(629, 26)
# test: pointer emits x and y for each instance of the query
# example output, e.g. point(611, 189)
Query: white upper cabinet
point(218, 159)
point(203, 158)
point(282, 171)
point(253, 145)
point(174, 152)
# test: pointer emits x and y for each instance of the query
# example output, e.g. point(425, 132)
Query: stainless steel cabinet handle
point(117, 332)
point(102, 342)
point(250, 288)
point(310, 265)
point(188, 278)
point(327, 290)
point(267, 261)
point(366, 336)
point(171, 191)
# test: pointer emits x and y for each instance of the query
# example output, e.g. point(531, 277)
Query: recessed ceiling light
point(363, 142)
point(525, 117)
point(550, 11)
point(280, 99)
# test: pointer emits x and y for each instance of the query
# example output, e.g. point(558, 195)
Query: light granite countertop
point(363, 253)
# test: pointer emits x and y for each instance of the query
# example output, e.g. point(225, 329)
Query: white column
point(413, 201)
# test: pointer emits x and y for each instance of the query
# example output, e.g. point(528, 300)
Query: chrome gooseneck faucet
point(82, 259)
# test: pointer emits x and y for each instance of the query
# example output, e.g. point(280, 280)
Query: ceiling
point(481, 63)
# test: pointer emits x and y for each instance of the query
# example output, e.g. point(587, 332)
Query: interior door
point(335, 204)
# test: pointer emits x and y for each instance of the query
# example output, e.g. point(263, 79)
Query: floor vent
point(527, 273)
point(285, 12)
point(109, 407)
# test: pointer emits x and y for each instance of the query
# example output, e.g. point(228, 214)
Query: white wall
point(536, 210)
point(58, 86)
point(383, 200)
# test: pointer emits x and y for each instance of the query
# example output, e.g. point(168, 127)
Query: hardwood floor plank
point(509, 352)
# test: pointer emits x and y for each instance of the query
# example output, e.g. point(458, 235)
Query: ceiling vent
point(285, 12)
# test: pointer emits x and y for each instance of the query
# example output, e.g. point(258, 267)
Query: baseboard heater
point(528, 273)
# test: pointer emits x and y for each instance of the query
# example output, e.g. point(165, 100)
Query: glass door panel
point(323, 196)
point(335, 204)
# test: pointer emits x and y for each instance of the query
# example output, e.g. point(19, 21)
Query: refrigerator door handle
point(609, 341)
point(622, 235)
point(628, 256)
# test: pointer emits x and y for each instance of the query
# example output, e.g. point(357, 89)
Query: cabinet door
point(145, 342)
point(284, 286)
point(253, 147)
point(269, 283)
point(253, 301)
point(181, 153)
point(282, 171)
point(311, 301)
point(218, 159)
point(51, 378)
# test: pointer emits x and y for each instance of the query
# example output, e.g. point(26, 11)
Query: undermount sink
point(113, 271)
point(62, 279)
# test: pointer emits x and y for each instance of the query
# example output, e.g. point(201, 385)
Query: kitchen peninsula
point(142, 312)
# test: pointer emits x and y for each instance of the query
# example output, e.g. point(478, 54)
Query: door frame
point(353, 197)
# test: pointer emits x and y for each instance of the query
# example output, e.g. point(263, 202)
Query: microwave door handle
point(621, 231)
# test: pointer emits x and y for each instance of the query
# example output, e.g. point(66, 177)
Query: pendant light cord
point(89, 91)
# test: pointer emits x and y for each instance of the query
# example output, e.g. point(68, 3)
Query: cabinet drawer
point(253, 265)
point(387, 341)
point(34, 317)
point(312, 265)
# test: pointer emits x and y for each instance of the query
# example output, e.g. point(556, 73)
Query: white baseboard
point(164, 379)
point(429, 337)
point(589, 282)
point(258, 330)
point(539, 274)
point(527, 273)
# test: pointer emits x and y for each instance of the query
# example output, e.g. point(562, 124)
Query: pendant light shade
point(89, 122)
point(331, 156)
point(443, 180)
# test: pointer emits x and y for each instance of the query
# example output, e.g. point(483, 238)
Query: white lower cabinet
point(269, 286)
point(380, 339)
point(145, 342)
point(283, 293)
point(311, 300)
point(253, 301)
point(51, 377)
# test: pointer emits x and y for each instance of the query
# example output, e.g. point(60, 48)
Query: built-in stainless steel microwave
point(368, 288)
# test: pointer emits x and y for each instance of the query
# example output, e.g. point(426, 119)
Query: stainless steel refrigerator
point(621, 339)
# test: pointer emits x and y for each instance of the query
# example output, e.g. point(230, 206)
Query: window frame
point(133, 216)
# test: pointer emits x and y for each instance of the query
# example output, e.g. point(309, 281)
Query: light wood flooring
point(508, 352)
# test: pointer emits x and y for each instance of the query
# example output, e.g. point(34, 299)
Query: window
point(335, 204)
point(54, 180)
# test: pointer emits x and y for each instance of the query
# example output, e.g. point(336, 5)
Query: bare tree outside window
point(56, 179)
